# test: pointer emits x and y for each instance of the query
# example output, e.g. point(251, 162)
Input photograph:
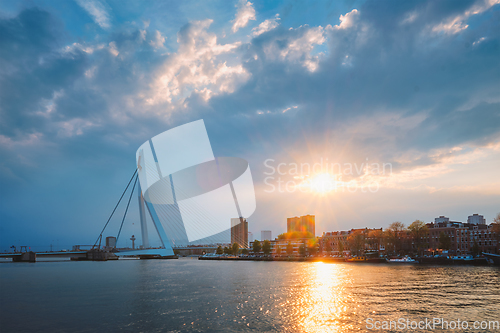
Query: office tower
point(239, 232)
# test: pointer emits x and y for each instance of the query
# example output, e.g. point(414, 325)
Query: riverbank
point(420, 260)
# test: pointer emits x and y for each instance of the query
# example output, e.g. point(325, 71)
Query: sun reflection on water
point(320, 302)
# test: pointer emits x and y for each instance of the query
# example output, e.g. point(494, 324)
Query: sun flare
point(321, 183)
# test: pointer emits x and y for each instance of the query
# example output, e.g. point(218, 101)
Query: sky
point(355, 85)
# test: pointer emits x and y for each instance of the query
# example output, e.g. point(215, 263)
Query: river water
point(187, 295)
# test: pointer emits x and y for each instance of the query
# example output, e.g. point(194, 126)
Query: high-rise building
point(476, 219)
point(239, 232)
point(304, 223)
point(266, 235)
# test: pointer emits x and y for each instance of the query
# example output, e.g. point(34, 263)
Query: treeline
point(396, 238)
point(399, 239)
point(257, 247)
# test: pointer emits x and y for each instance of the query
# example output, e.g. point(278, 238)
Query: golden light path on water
point(319, 302)
point(188, 295)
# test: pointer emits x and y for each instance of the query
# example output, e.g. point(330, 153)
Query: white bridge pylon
point(191, 195)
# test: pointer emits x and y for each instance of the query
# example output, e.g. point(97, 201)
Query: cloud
point(73, 127)
point(478, 41)
point(299, 49)
point(81, 47)
point(391, 74)
point(112, 49)
point(292, 46)
point(32, 139)
point(196, 66)
point(348, 20)
point(158, 40)
point(375, 82)
point(457, 23)
point(37, 69)
point(266, 26)
point(244, 14)
point(98, 12)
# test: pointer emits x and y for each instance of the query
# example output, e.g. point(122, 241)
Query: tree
point(341, 249)
point(278, 250)
point(475, 248)
point(256, 246)
point(444, 241)
point(395, 234)
point(226, 250)
point(295, 235)
point(313, 249)
point(495, 229)
point(497, 219)
point(266, 247)
point(219, 250)
point(356, 241)
point(328, 248)
point(244, 251)
point(376, 237)
point(418, 231)
point(235, 248)
point(302, 249)
point(289, 249)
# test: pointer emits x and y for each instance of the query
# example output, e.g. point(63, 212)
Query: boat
point(404, 260)
point(356, 259)
point(365, 259)
point(462, 259)
point(493, 259)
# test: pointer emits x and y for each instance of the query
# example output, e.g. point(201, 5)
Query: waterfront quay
point(439, 242)
point(436, 260)
point(442, 242)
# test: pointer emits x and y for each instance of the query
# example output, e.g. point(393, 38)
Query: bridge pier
point(98, 255)
point(156, 256)
point(25, 257)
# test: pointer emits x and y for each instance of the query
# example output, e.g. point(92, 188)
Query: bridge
point(194, 250)
point(191, 197)
point(94, 255)
point(31, 256)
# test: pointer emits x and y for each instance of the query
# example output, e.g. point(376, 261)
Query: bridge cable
point(126, 188)
point(126, 209)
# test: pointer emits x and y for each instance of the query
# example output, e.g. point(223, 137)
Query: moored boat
point(493, 259)
point(404, 260)
point(462, 259)
point(356, 259)
point(365, 259)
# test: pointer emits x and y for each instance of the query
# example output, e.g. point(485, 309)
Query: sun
point(321, 183)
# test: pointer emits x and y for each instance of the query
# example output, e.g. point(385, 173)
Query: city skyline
point(397, 100)
point(249, 165)
point(474, 218)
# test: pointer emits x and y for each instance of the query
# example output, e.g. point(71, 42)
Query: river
point(187, 295)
